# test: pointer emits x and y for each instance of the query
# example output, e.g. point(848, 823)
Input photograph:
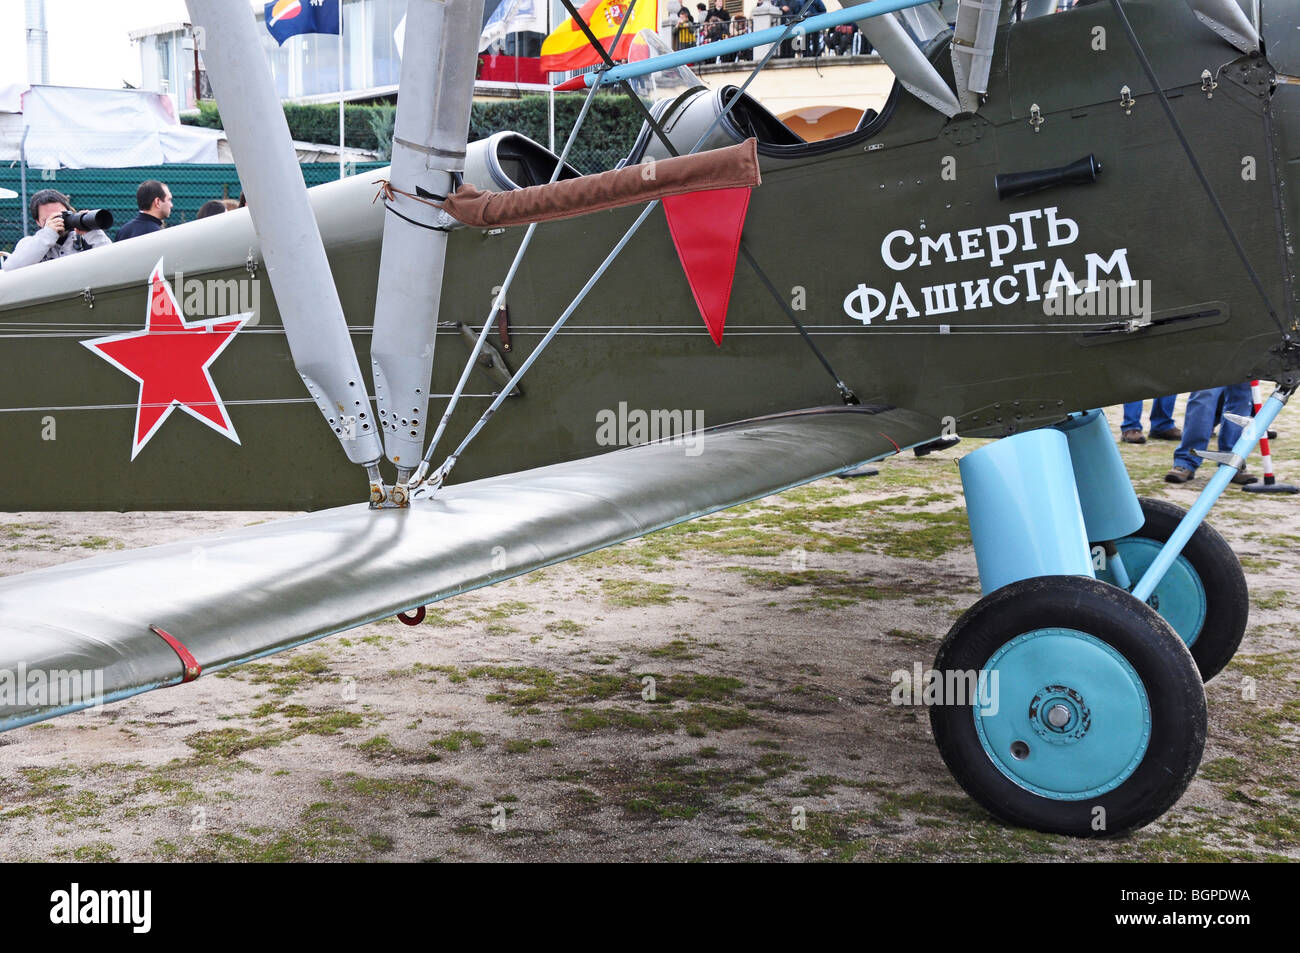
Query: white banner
point(74, 128)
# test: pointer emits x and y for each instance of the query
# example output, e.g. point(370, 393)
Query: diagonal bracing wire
point(440, 475)
point(423, 469)
point(846, 394)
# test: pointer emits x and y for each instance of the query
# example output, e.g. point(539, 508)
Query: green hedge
point(607, 134)
point(316, 123)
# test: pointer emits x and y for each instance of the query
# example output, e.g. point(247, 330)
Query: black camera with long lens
point(88, 221)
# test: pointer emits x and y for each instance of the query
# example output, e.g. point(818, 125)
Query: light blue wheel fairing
point(1024, 511)
point(1110, 506)
point(1180, 597)
point(1064, 716)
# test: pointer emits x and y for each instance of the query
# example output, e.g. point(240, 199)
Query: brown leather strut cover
point(733, 167)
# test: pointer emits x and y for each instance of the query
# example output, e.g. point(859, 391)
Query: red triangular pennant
point(706, 229)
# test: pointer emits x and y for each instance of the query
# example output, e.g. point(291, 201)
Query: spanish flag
point(567, 48)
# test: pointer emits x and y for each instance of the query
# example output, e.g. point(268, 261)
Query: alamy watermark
point(216, 297)
point(51, 688)
point(131, 908)
point(629, 428)
point(1106, 299)
point(952, 687)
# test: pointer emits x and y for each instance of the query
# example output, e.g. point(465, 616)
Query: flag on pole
point(567, 48)
point(512, 16)
point(286, 18)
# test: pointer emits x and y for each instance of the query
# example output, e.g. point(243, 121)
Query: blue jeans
point(1162, 414)
point(1198, 421)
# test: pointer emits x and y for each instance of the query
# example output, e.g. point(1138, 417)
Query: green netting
point(114, 189)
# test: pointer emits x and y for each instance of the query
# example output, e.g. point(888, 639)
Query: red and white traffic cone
point(1270, 484)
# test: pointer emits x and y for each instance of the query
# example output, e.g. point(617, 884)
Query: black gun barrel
point(1012, 185)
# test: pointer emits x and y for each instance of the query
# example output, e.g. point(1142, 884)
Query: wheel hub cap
point(1068, 717)
point(1180, 598)
point(1059, 714)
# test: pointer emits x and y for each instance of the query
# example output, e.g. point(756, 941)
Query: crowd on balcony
point(710, 24)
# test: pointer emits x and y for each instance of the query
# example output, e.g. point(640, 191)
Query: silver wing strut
point(896, 47)
point(282, 216)
point(433, 103)
point(972, 48)
point(1226, 19)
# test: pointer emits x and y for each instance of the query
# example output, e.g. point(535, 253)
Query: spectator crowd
point(709, 24)
point(58, 233)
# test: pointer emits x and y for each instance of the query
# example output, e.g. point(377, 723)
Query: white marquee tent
point(72, 128)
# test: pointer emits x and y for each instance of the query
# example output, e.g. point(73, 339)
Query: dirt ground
point(512, 724)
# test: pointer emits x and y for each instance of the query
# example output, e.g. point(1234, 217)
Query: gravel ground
point(516, 724)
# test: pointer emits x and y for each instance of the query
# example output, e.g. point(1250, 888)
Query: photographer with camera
point(62, 231)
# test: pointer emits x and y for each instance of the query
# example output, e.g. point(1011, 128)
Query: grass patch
point(455, 740)
point(223, 745)
point(522, 686)
point(678, 650)
point(630, 593)
point(697, 688)
point(99, 542)
point(327, 723)
point(1276, 599)
point(696, 720)
point(679, 788)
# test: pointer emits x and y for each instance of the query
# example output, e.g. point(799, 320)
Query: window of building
point(163, 45)
point(382, 17)
point(355, 62)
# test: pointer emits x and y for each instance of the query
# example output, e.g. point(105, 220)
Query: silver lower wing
point(263, 589)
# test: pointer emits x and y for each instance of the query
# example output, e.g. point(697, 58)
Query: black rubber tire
point(1227, 597)
point(1160, 658)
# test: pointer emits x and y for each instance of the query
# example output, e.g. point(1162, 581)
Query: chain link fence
point(606, 137)
point(114, 189)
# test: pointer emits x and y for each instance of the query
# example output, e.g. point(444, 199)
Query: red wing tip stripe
point(192, 668)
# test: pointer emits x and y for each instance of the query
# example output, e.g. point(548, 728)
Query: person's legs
point(1236, 400)
point(1198, 420)
point(1132, 416)
point(1162, 413)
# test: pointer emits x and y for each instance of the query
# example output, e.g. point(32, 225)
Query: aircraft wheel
point(1091, 721)
point(1204, 596)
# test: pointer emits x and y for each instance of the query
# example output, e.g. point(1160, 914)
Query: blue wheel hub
point(1059, 715)
point(1180, 597)
point(1065, 715)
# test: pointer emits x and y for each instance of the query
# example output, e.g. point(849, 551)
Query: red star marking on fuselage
point(170, 359)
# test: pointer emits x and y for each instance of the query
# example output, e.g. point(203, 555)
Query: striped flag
point(567, 48)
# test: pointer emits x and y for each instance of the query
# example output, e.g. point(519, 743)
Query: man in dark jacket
point(154, 200)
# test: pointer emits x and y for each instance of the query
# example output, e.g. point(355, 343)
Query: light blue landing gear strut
point(1024, 510)
point(1229, 465)
point(1097, 709)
